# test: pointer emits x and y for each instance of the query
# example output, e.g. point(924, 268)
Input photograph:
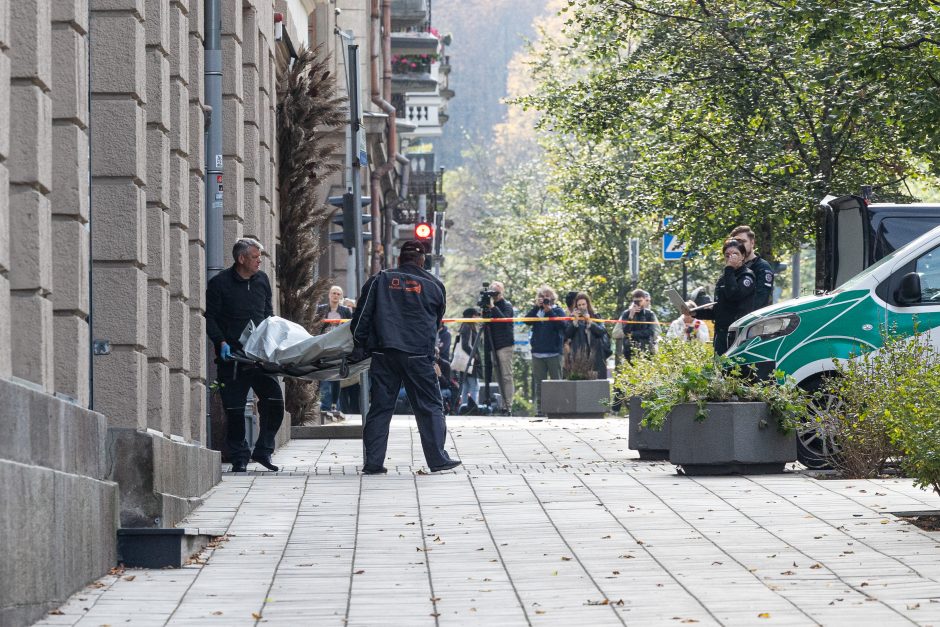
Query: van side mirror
point(909, 293)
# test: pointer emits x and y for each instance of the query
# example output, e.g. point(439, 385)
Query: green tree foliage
point(746, 112)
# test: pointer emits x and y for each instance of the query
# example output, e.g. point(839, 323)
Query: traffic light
point(424, 233)
point(347, 219)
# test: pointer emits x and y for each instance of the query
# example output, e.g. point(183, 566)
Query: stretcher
point(281, 347)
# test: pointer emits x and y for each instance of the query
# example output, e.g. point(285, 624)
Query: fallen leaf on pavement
point(256, 615)
point(56, 613)
point(764, 615)
point(565, 558)
point(359, 572)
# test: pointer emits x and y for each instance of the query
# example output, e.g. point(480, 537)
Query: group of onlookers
point(578, 346)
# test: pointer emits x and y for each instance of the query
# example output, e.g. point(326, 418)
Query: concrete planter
point(575, 399)
point(650, 444)
point(735, 438)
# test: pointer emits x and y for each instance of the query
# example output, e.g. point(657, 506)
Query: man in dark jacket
point(396, 320)
point(501, 340)
point(763, 273)
point(547, 341)
point(235, 297)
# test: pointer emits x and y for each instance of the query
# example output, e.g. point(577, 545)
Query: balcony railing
point(409, 13)
point(415, 42)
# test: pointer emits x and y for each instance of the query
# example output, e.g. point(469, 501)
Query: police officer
point(763, 273)
point(734, 294)
point(235, 297)
point(397, 319)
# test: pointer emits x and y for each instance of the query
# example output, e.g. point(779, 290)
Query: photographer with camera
point(500, 337)
point(547, 341)
point(590, 344)
point(641, 328)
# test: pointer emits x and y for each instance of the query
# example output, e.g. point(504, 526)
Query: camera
point(486, 296)
point(638, 302)
point(545, 301)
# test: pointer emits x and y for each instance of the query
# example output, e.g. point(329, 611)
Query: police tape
point(548, 319)
point(553, 319)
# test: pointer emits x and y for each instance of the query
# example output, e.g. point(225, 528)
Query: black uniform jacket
point(400, 308)
point(734, 297)
point(232, 302)
point(764, 277)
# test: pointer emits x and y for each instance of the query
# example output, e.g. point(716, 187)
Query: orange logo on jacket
point(410, 285)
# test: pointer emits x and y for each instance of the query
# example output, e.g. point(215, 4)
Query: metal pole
point(795, 264)
point(356, 189)
point(215, 258)
point(214, 165)
point(685, 281)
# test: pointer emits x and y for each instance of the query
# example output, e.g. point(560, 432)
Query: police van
point(804, 337)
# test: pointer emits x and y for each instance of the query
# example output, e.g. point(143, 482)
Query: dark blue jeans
point(389, 371)
point(234, 391)
point(329, 395)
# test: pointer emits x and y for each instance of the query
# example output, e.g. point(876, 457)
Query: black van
point(852, 233)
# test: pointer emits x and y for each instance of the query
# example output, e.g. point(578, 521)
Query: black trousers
point(721, 341)
point(236, 381)
point(390, 370)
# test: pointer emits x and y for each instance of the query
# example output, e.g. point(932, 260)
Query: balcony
point(409, 13)
point(421, 110)
point(414, 42)
point(415, 73)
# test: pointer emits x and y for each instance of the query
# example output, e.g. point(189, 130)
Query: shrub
point(890, 404)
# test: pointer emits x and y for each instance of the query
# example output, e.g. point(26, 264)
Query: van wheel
point(816, 440)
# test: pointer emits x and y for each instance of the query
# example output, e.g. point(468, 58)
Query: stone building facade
point(103, 240)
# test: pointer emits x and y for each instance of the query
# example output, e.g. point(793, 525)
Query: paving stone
point(548, 523)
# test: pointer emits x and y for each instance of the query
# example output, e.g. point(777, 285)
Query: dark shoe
point(239, 467)
point(264, 460)
point(372, 470)
point(448, 466)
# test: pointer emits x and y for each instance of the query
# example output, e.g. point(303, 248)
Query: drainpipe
point(382, 27)
point(215, 258)
point(214, 167)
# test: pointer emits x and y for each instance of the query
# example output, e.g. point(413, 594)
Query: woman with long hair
point(734, 293)
point(589, 341)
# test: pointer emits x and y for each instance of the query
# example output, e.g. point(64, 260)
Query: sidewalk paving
point(547, 523)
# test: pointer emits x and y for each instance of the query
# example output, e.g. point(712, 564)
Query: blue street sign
point(673, 248)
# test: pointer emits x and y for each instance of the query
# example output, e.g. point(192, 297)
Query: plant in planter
point(750, 423)
point(639, 379)
point(582, 395)
point(413, 63)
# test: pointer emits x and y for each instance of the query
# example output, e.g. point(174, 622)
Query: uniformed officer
point(234, 297)
point(734, 294)
point(763, 273)
point(396, 321)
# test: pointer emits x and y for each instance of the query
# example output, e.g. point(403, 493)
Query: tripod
point(488, 362)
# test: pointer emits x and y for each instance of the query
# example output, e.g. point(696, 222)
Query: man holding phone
point(640, 327)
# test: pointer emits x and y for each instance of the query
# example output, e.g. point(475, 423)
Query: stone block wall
point(60, 513)
point(102, 231)
point(249, 100)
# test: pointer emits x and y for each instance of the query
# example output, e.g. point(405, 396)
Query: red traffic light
point(423, 231)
